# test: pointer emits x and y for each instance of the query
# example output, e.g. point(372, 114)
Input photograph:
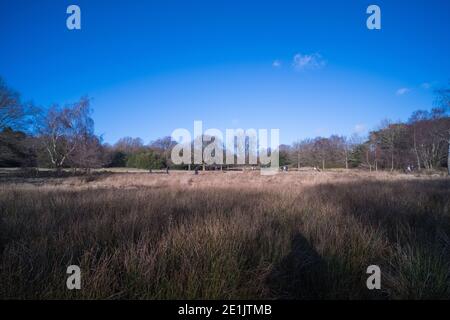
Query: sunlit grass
point(226, 235)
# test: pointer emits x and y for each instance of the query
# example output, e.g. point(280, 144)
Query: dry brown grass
point(226, 235)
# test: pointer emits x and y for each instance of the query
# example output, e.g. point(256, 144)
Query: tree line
point(63, 137)
point(420, 143)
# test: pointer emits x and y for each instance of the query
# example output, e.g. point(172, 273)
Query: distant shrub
point(145, 160)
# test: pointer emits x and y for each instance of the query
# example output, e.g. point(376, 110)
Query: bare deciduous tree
point(88, 153)
point(443, 101)
point(11, 109)
point(430, 137)
point(164, 146)
point(14, 113)
point(64, 130)
point(129, 145)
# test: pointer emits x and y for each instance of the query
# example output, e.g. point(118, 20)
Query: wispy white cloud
point(312, 61)
point(402, 91)
point(425, 85)
point(276, 63)
point(359, 128)
point(429, 85)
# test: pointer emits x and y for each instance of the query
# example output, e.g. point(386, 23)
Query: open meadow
point(227, 235)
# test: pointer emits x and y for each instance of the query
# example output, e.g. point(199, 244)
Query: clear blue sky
point(154, 66)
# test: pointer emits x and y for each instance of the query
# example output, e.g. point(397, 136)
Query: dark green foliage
point(145, 160)
point(357, 155)
point(118, 159)
point(284, 158)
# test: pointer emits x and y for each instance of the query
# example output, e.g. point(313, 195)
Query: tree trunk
point(376, 160)
point(392, 161)
point(323, 164)
point(346, 160)
point(448, 157)
point(416, 152)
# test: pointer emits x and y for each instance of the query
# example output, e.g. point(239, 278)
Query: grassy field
point(234, 235)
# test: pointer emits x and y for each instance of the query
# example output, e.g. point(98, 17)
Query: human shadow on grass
point(301, 274)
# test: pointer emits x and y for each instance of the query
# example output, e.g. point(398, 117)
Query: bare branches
point(12, 112)
point(68, 134)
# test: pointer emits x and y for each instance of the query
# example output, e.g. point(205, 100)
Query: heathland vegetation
point(300, 234)
point(226, 235)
